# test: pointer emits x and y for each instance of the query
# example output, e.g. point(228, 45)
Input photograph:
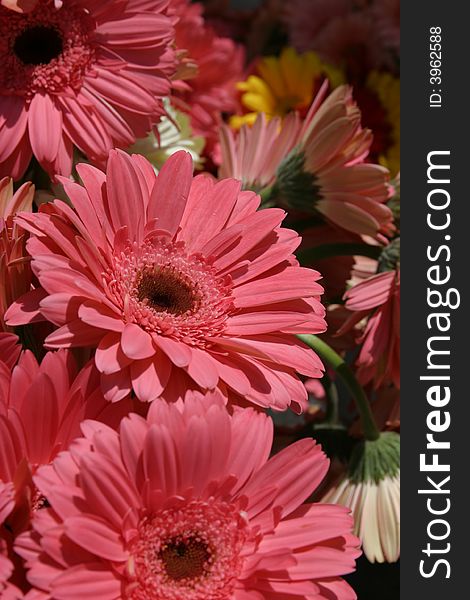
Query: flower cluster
point(199, 236)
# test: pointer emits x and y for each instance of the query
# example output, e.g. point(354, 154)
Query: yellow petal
point(237, 121)
point(270, 70)
point(256, 102)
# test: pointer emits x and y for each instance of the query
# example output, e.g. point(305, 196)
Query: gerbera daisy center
point(46, 50)
point(192, 552)
point(185, 558)
point(38, 45)
point(165, 291)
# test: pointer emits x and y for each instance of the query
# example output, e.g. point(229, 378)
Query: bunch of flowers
point(198, 243)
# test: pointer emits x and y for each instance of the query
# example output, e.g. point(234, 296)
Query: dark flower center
point(38, 45)
point(165, 291)
point(185, 558)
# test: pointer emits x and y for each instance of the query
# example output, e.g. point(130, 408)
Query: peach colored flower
point(314, 165)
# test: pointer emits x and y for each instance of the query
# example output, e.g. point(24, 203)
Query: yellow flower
point(387, 89)
point(283, 84)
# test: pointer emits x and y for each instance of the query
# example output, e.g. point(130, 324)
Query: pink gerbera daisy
point(89, 74)
point(41, 408)
point(187, 505)
point(178, 282)
point(49, 400)
point(316, 164)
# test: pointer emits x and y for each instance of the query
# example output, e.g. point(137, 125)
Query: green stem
point(328, 250)
point(371, 431)
point(267, 199)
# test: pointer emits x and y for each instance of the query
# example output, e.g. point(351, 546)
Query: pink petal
point(87, 581)
point(208, 209)
point(136, 343)
point(203, 369)
point(74, 334)
point(149, 377)
point(290, 284)
point(178, 352)
point(109, 358)
point(96, 315)
point(126, 210)
point(96, 536)
point(116, 386)
point(171, 190)
point(297, 471)
point(120, 90)
point(107, 490)
point(349, 217)
point(13, 123)
point(160, 461)
point(26, 309)
point(45, 128)
point(40, 418)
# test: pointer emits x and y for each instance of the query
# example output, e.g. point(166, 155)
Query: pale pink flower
point(314, 164)
point(219, 65)
point(378, 299)
point(187, 505)
point(370, 487)
point(89, 74)
point(15, 272)
point(376, 510)
point(178, 282)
